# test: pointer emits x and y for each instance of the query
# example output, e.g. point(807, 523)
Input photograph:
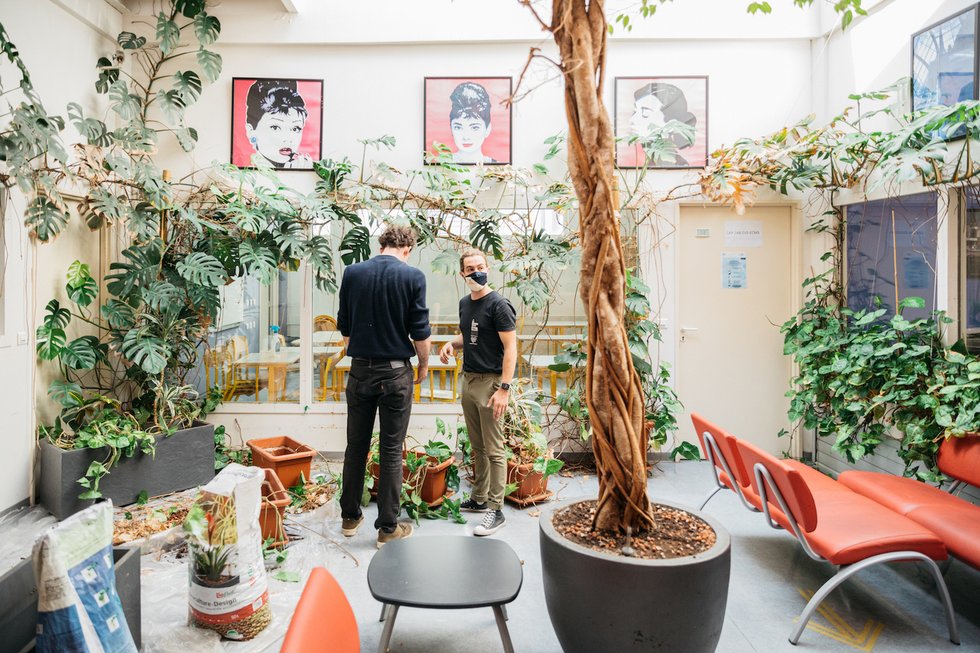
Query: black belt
point(382, 362)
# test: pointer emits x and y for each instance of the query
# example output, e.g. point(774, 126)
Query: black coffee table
point(473, 572)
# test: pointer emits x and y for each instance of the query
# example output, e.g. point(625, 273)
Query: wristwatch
point(505, 386)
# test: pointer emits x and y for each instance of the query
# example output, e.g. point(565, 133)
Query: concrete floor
point(884, 609)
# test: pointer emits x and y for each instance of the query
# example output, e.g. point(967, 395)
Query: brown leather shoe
point(402, 530)
point(349, 525)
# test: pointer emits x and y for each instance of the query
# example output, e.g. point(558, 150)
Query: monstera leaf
point(45, 218)
point(203, 269)
point(172, 103)
point(147, 351)
point(67, 393)
point(189, 84)
point(484, 236)
point(210, 63)
point(168, 33)
point(82, 353)
point(258, 260)
point(356, 244)
point(163, 296)
point(140, 268)
point(81, 287)
point(93, 130)
point(206, 28)
point(320, 257)
point(119, 315)
point(123, 102)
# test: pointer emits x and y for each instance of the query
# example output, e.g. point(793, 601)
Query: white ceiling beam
point(290, 6)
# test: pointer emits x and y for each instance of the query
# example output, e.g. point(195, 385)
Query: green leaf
point(140, 268)
point(206, 28)
point(81, 353)
point(357, 245)
point(108, 74)
point(142, 498)
point(50, 342)
point(189, 84)
point(172, 103)
point(149, 352)
point(210, 63)
point(84, 294)
point(162, 296)
point(168, 33)
point(258, 260)
point(123, 102)
point(203, 269)
point(186, 137)
point(912, 302)
point(93, 130)
point(67, 393)
point(119, 315)
point(540, 168)
point(287, 576)
point(56, 317)
point(129, 41)
point(446, 262)
point(485, 237)
point(45, 218)
point(190, 8)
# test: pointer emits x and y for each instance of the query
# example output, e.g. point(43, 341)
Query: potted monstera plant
point(126, 339)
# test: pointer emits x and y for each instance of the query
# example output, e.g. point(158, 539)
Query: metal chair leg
point(709, 497)
point(503, 608)
point(386, 632)
point(849, 570)
point(498, 614)
point(384, 612)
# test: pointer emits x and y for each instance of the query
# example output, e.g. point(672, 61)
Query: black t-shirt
point(480, 321)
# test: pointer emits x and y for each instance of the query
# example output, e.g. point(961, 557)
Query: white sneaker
point(492, 522)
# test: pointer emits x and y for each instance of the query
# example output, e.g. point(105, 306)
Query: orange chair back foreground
point(323, 621)
point(959, 458)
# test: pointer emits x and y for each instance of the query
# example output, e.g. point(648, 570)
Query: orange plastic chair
point(323, 621)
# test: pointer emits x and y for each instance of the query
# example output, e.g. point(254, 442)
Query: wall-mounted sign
point(734, 271)
point(743, 233)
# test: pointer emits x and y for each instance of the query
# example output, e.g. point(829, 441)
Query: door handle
point(686, 329)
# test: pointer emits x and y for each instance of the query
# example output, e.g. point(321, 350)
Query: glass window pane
point(970, 294)
point(252, 354)
point(889, 236)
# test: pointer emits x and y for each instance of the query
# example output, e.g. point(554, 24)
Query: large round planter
point(603, 602)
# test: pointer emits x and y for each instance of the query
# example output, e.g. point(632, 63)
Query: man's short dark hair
point(397, 236)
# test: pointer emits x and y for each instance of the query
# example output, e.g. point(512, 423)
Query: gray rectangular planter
point(18, 600)
point(182, 461)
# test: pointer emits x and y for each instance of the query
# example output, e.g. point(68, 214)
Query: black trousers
point(376, 388)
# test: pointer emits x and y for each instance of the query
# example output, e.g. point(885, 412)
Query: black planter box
point(18, 600)
point(182, 461)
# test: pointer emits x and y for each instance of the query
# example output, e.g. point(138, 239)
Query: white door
point(735, 285)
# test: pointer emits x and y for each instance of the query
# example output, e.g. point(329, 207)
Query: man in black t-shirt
point(487, 323)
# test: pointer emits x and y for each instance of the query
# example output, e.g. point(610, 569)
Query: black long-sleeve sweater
point(382, 308)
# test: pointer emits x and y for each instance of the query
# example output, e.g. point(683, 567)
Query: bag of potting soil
point(228, 589)
point(78, 610)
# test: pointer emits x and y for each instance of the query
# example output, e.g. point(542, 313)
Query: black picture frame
point(701, 126)
point(311, 92)
point(928, 66)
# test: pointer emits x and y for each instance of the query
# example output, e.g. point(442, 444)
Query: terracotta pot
point(285, 455)
point(273, 511)
point(433, 481)
point(529, 482)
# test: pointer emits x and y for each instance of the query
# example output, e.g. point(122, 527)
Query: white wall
point(60, 44)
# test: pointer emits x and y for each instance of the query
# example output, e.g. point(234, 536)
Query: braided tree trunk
point(613, 391)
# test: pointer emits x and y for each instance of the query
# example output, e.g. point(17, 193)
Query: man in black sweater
point(384, 322)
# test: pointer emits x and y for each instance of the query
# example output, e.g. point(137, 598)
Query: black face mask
point(479, 277)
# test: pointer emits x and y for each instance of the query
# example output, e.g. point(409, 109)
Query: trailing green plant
point(524, 439)
point(867, 375)
point(226, 452)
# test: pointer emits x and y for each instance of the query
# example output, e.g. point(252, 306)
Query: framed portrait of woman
point(643, 105)
point(276, 123)
point(468, 119)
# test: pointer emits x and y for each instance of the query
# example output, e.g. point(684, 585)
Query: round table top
point(446, 571)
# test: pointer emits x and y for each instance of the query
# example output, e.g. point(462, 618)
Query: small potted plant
point(529, 460)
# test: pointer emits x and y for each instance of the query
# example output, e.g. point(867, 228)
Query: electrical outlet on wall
point(22, 337)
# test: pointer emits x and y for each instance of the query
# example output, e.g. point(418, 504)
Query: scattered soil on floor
point(676, 533)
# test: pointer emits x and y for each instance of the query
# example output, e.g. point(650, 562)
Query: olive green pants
point(486, 437)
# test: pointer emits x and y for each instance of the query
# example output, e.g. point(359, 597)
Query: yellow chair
point(450, 394)
point(324, 323)
point(327, 364)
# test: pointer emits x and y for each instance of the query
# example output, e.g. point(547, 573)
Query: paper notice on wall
point(734, 271)
point(743, 233)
